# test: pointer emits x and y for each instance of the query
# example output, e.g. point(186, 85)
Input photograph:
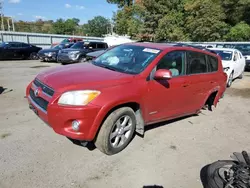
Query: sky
point(31, 10)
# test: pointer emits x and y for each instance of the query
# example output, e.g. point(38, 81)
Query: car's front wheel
point(230, 80)
point(117, 131)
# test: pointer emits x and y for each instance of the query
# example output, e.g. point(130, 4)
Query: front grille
point(39, 101)
point(45, 88)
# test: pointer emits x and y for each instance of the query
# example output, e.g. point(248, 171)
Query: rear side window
point(196, 63)
point(212, 63)
point(25, 45)
point(100, 45)
point(93, 45)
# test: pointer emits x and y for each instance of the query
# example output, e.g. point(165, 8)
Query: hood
point(226, 63)
point(49, 50)
point(82, 76)
point(95, 54)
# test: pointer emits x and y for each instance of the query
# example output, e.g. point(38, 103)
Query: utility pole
point(13, 24)
point(2, 16)
point(8, 22)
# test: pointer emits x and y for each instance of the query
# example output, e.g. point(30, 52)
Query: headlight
point(78, 98)
point(74, 52)
point(226, 68)
point(50, 54)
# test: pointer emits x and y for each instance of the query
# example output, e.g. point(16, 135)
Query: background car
point(233, 63)
point(18, 50)
point(78, 51)
point(51, 53)
point(67, 41)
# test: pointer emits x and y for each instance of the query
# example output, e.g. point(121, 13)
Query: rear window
point(212, 63)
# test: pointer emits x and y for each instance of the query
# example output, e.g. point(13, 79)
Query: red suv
point(124, 89)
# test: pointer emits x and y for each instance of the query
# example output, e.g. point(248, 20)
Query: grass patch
point(5, 135)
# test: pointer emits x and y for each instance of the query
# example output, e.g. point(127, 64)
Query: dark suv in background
point(78, 51)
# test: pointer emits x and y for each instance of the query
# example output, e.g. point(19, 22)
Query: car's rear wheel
point(241, 75)
point(230, 80)
point(117, 131)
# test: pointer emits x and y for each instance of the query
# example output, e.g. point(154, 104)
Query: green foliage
point(121, 3)
point(205, 20)
point(97, 27)
point(180, 20)
point(240, 32)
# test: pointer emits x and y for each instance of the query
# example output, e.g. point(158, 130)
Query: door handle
point(185, 85)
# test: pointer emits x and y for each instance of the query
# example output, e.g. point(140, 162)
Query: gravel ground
point(32, 155)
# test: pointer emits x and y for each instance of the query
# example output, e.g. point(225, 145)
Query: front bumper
point(47, 58)
point(60, 118)
point(64, 58)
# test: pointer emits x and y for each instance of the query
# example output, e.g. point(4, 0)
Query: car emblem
point(36, 92)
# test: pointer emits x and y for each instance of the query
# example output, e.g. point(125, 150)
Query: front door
point(168, 98)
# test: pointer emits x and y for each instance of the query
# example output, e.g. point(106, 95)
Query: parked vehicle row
point(124, 89)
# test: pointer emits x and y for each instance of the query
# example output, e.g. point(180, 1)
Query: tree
point(121, 3)
point(96, 27)
point(171, 27)
point(205, 20)
point(240, 32)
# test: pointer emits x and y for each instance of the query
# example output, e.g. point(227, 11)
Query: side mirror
point(163, 74)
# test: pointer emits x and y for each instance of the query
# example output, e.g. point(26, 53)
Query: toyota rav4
point(125, 89)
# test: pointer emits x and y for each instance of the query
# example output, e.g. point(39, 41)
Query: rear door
point(201, 79)
point(242, 62)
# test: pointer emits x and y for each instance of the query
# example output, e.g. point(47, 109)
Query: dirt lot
point(32, 155)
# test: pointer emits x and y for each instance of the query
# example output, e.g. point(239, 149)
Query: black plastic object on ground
point(228, 173)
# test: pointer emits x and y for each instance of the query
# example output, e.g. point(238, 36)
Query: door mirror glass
point(163, 74)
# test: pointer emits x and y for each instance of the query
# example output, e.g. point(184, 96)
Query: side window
point(100, 45)
point(93, 45)
point(15, 45)
point(173, 61)
point(212, 63)
point(236, 56)
point(25, 45)
point(240, 55)
point(196, 63)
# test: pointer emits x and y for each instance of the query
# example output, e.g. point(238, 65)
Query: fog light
point(75, 125)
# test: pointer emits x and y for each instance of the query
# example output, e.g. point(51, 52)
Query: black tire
point(230, 80)
point(241, 75)
point(103, 142)
point(213, 179)
point(33, 56)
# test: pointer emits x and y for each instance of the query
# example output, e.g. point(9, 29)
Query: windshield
point(127, 58)
point(65, 41)
point(225, 55)
point(77, 45)
point(59, 47)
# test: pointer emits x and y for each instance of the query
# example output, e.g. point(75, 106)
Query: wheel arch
point(140, 123)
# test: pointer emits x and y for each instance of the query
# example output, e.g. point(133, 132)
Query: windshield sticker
point(150, 50)
point(227, 52)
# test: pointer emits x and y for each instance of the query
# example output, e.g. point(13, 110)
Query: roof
point(224, 49)
point(159, 46)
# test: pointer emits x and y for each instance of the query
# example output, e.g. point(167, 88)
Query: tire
point(113, 131)
point(241, 75)
point(230, 80)
point(213, 178)
point(33, 56)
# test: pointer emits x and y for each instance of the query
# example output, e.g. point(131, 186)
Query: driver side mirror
point(163, 74)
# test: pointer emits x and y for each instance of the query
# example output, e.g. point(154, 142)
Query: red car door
point(202, 80)
point(168, 98)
